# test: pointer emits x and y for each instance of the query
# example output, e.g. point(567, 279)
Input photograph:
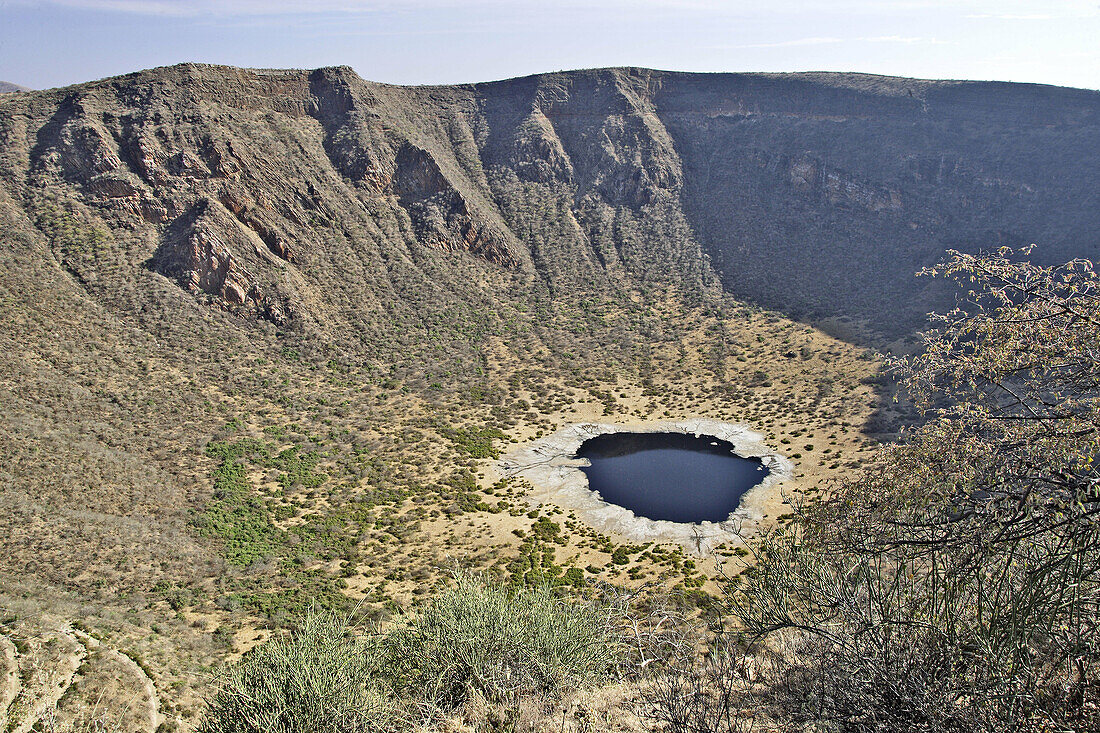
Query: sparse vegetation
point(483, 638)
point(954, 585)
point(320, 677)
point(264, 334)
point(477, 638)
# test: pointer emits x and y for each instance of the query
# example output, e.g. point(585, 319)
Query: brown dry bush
point(954, 586)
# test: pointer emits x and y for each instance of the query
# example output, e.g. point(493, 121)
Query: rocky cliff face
point(319, 201)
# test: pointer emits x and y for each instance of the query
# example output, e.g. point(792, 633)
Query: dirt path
point(152, 701)
point(51, 684)
point(9, 685)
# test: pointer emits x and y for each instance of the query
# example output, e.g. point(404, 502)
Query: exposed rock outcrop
point(794, 186)
point(197, 253)
point(812, 176)
point(441, 215)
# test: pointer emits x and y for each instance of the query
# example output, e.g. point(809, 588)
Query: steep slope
point(335, 207)
point(261, 329)
point(817, 194)
point(202, 223)
point(821, 194)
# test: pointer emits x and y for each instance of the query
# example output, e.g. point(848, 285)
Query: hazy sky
point(46, 43)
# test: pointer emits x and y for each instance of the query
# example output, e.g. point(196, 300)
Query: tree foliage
point(955, 585)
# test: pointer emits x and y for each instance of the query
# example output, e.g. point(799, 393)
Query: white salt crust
point(549, 465)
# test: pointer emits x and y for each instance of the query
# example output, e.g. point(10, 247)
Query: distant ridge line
point(856, 80)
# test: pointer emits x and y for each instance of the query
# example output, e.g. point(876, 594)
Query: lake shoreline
point(550, 465)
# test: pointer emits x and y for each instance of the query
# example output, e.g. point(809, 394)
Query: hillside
point(794, 186)
point(264, 331)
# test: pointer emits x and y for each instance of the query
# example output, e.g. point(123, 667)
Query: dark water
point(671, 476)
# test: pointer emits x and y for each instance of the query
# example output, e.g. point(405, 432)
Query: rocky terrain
point(794, 188)
point(263, 331)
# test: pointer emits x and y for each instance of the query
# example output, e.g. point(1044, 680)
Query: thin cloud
point(1008, 16)
point(988, 9)
point(233, 8)
point(795, 42)
point(904, 39)
point(830, 40)
point(195, 8)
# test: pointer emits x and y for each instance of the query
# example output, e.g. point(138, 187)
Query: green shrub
point(318, 679)
point(475, 638)
point(480, 637)
point(621, 555)
point(954, 584)
point(474, 442)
